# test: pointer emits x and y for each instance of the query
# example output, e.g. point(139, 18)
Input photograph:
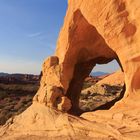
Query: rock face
point(41, 121)
point(109, 31)
point(116, 78)
point(94, 32)
point(51, 91)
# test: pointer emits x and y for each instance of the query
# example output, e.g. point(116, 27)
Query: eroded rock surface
point(51, 92)
point(94, 32)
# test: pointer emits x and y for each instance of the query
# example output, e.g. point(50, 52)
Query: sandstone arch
point(94, 31)
point(88, 38)
point(86, 49)
point(90, 35)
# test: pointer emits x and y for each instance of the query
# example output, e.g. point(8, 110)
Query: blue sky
point(28, 34)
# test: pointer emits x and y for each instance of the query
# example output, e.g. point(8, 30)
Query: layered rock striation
point(94, 32)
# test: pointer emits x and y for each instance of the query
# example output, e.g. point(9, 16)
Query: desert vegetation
point(17, 97)
point(14, 99)
point(97, 95)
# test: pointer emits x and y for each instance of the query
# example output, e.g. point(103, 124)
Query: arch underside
point(86, 49)
point(80, 48)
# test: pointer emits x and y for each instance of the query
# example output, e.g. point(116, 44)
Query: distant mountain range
point(18, 78)
point(3, 74)
point(15, 74)
point(98, 73)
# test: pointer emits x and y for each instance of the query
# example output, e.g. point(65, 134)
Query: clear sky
point(28, 34)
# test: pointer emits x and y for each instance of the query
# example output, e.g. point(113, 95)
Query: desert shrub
point(8, 100)
point(13, 102)
point(86, 85)
point(8, 107)
point(2, 119)
point(84, 96)
point(29, 98)
point(23, 100)
point(1, 106)
point(112, 89)
point(19, 87)
point(94, 94)
point(4, 116)
point(15, 98)
point(18, 106)
point(3, 94)
point(21, 110)
point(27, 104)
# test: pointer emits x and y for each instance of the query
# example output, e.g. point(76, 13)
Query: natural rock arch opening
point(86, 49)
point(103, 69)
point(103, 86)
point(64, 74)
point(81, 45)
point(81, 71)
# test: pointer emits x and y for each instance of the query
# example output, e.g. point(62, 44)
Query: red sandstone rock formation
point(116, 78)
point(94, 32)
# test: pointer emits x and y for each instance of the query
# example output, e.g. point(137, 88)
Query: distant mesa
point(98, 73)
point(3, 74)
point(18, 78)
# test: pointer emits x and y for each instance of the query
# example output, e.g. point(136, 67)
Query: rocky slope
point(104, 91)
point(16, 95)
point(15, 98)
point(116, 78)
point(94, 32)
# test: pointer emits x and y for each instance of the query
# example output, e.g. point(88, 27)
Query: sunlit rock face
point(51, 91)
point(94, 32)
